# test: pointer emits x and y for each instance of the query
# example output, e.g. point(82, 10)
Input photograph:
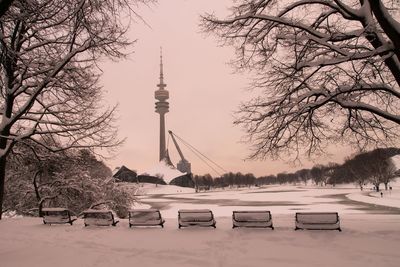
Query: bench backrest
point(317, 217)
point(254, 216)
point(195, 215)
point(98, 217)
point(143, 216)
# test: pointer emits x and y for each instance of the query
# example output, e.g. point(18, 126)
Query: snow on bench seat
point(317, 221)
point(99, 218)
point(145, 217)
point(261, 218)
point(57, 216)
point(196, 217)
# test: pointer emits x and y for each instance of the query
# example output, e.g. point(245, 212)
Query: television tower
point(162, 107)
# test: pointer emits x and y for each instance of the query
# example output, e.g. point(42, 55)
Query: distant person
point(381, 194)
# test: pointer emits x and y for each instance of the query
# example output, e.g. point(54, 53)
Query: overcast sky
point(204, 92)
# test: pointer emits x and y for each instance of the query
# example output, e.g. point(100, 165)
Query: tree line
point(374, 167)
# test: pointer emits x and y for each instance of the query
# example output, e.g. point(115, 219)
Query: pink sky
point(204, 92)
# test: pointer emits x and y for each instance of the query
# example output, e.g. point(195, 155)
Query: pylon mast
point(183, 165)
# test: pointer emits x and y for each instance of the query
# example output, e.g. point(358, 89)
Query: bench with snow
point(145, 217)
point(317, 221)
point(198, 217)
point(260, 218)
point(99, 218)
point(57, 216)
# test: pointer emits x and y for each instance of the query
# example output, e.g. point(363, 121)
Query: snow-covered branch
point(329, 71)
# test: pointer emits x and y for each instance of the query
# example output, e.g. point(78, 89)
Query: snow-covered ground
point(370, 236)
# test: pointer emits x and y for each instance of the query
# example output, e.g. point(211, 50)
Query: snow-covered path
point(370, 236)
point(389, 198)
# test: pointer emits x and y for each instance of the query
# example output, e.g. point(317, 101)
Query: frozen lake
point(277, 199)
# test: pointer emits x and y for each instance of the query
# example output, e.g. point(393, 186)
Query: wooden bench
point(260, 218)
point(145, 217)
point(317, 221)
point(99, 218)
point(57, 216)
point(199, 217)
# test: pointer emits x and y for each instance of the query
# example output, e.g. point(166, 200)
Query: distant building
point(123, 174)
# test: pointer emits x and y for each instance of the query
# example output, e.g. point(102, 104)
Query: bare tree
point(317, 174)
point(388, 173)
point(374, 166)
point(49, 91)
point(304, 175)
point(355, 168)
point(74, 179)
point(329, 72)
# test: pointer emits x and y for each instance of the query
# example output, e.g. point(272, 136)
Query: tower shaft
point(162, 137)
point(162, 107)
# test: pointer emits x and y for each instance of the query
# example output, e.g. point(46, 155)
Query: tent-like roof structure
point(165, 171)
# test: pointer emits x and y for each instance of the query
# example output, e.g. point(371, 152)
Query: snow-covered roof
point(115, 171)
point(164, 171)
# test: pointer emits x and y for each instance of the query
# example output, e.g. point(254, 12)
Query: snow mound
point(396, 161)
point(165, 171)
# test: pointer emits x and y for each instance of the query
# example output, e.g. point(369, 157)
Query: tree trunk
point(40, 209)
point(386, 186)
point(360, 184)
point(2, 179)
point(377, 187)
point(37, 193)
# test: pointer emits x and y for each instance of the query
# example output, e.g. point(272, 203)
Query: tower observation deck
point(162, 107)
